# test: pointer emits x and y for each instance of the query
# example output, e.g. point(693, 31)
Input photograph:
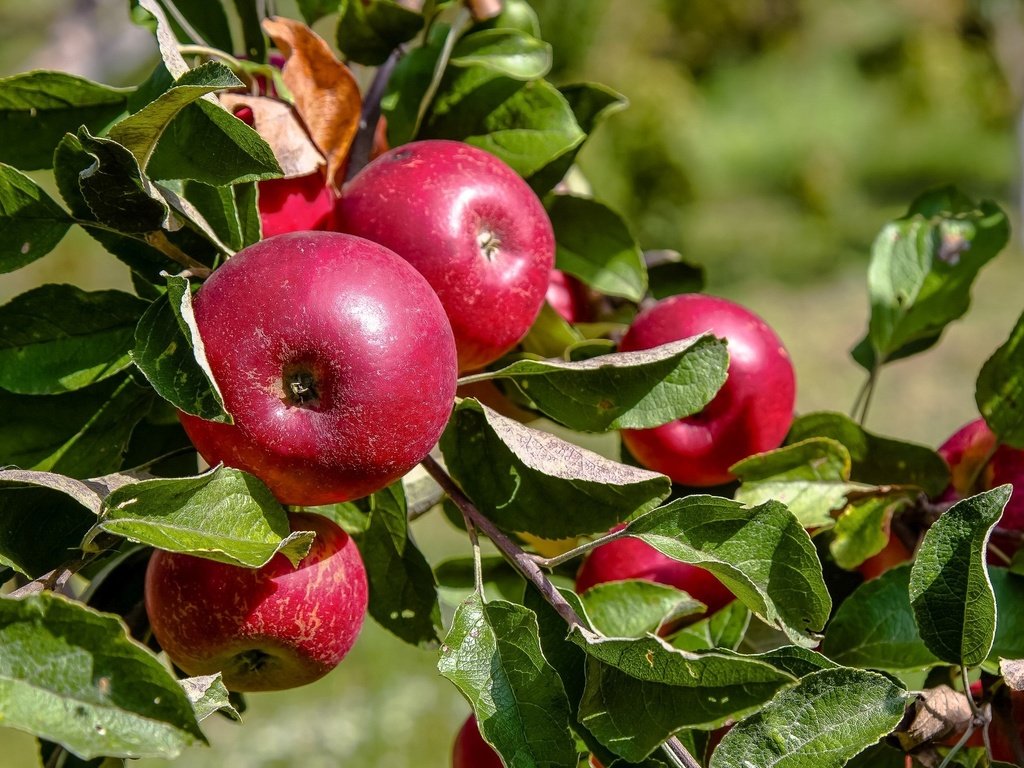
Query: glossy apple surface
point(336, 360)
point(753, 410)
point(470, 749)
point(471, 226)
point(265, 629)
point(569, 298)
point(629, 558)
point(296, 204)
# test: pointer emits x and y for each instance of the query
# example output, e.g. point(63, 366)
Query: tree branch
point(362, 145)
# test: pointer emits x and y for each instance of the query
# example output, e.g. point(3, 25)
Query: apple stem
point(362, 145)
point(582, 549)
point(526, 565)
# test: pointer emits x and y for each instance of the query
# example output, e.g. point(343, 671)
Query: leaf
point(921, 271)
point(550, 335)
point(80, 434)
point(822, 722)
point(1000, 387)
point(723, 629)
point(492, 654)
point(669, 274)
point(70, 675)
point(455, 578)
point(255, 43)
point(314, 10)
point(1009, 592)
point(24, 513)
point(170, 352)
point(279, 125)
point(507, 52)
point(325, 92)
point(874, 628)
point(876, 460)
point(403, 593)
point(743, 547)
point(406, 90)
point(532, 481)
point(57, 338)
point(673, 689)
point(88, 494)
point(140, 132)
point(810, 477)
point(207, 694)
point(31, 223)
point(166, 40)
point(38, 108)
point(594, 244)
point(634, 608)
point(622, 390)
point(795, 660)
point(862, 531)
point(950, 589)
point(370, 29)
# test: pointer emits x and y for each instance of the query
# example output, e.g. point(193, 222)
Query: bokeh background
point(768, 140)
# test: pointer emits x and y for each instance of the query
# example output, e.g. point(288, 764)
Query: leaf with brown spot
point(938, 713)
point(279, 125)
point(325, 92)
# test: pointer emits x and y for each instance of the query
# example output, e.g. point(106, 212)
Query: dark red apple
point(629, 558)
point(471, 226)
point(336, 360)
point(296, 204)
point(470, 749)
point(751, 413)
point(264, 629)
point(569, 297)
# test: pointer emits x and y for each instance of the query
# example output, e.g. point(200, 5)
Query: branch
point(362, 145)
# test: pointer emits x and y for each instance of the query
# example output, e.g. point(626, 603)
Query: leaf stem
point(965, 679)
point(582, 549)
point(440, 67)
point(959, 745)
point(869, 392)
point(160, 243)
point(362, 145)
point(210, 53)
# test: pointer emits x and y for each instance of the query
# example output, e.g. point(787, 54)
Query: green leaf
point(922, 268)
point(594, 244)
point(532, 481)
point(880, 756)
point(874, 628)
point(723, 629)
point(229, 211)
point(370, 29)
point(810, 477)
point(224, 515)
point(950, 589)
point(314, 10)
point(170, 352)
point(139, 133)
point(88, 494)
point(669, 274)
point(71, 675)
point(1000, 386)
point(254, 40)
point(634, 608)
point(862, 531)
point(876, 460)
point(674, 689)
point(795, 660)
point(38, 108)
point(743, 546)
point(57, 338)
point(823, 722)
point(80, 434)
point(206, 143)
point(632, 390)
point(24, 513)
point(403, 594)
point(1009, 591)
point(493, 655)
point(31, 223)
point(507, 52)
point(207, 19)
point(208, 694)
point(550, 335)
point(406, 90)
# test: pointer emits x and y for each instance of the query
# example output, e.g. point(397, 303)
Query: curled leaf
point(279, 125)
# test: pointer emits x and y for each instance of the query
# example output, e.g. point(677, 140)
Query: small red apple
point(569, 297)
point(471, 226)
point(264, 629)
point(629, 558)
point(336, 360)
point(470, 749)
point(751, 413)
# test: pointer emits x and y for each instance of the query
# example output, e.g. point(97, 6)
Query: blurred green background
point(768, 140)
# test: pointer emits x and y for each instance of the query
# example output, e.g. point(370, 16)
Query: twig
point(959, 745)
point(362, 145)
point(582, 549)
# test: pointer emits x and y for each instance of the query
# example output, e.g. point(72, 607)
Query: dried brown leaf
point(938, 713)
point(325, 92)
point(1013, 673)
point(281, 128)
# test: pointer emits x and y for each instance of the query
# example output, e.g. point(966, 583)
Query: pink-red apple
point(569, 297)
point(629, 558)
point(335, 359)
point(296, 204)
point(471, 226)
point(470, 749)
point(264, 629)
point(751, 413)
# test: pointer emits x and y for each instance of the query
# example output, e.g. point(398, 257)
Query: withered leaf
point(279, 125)
point(938, 713)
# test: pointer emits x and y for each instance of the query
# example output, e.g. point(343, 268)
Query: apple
point(569, 297)
point(629, 558)
point(264, 629)
point(751, 413)
point(894, 553)
point(470, 749)
point(471, 226)
point(336, 360)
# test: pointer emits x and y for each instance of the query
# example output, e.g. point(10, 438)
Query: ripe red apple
point(265, 629)
point(336, 360)
point(470, 749)
point(569, 297)
point(471, 226)
point(296, 204)
point(753, 410)
point(629, 558)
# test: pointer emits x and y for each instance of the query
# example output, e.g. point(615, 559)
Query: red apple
point(296, 204)
point(629, 558)
point(471, 226)
point(569, 297)
point(894, 553)
point(751, 413)
point(265, 629)
point(470, 749)
point(336, 360)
